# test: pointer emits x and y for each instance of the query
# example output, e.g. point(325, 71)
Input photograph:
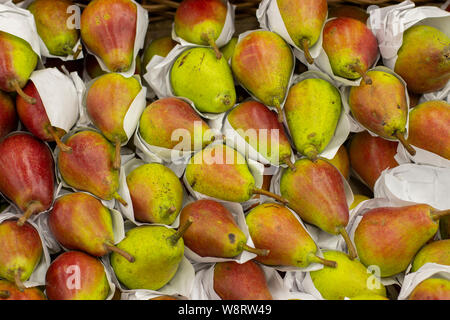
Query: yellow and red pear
point(9, 291)
point(8, 115)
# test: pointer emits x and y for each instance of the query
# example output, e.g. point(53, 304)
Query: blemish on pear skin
point(184, 58)
point(232, 237)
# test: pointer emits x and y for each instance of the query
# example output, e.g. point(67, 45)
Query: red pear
point(8, 117)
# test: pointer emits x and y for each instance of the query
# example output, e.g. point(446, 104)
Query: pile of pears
point(77, 182)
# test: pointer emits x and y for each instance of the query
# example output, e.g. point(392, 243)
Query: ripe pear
point(35, 119)
point(431, 289)
point(262, 63)
point(435, 252)
point(201, 22)
point(107, 103)
point(214, 232)
point(381, 106)
point(312, 109)
point(17, 62)
point(426, 49)
point(8, 116)
point(409, 227)
point(351, 48)
point(51, 17)
point(429, 127)
point(156, 193)
point(357, 199)
point(370, 156)
point(221, 172)
point(342, 162)
point(158, 47)
point(158, 251)
point(246, 281)
point(259, 126)
point(198, 75)
point(80, 221)
point(163, 117)
point(316, 192)
point(349, 279)
point(228, 49)
point(27, 173)
point(89, 167)
point(108, 29)
point(304, 20)
point(75, 275)
point(9, 291)
point(274, 227)
point(348, 11)
point(21, 251)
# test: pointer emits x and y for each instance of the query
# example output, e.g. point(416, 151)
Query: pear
point(75, 275)
point(228, 49)
point(8, 115)
point(246, 281)
point(351, 48)
point(348, 11)
point(35, 119)
point(381, 107)
point(357, 199)
point(161, 120)
point(349, 279)
point(429, 127)
point(51, 17)
point(426, 49)
point(158, 251)
point(274, 227)
point(21, 251)
point(198, 75)
point(214, 232)
point(201, 22)
point(80, 221)
point(27, 174)
point(435, 252)
point(341, 161)
point(108, 29)
point(158, 47)
point(304, 20)
point(312, 109)
point(260, 128)
point(263, 63)
point(9, 291)
point(369, 297)
point(316, 192)
point(409, 227)
point(89, 167)
point(107, 103)
point(17, 62)
point(221, 172)
point(370, 156)
point(431, 289)
point(156, 193)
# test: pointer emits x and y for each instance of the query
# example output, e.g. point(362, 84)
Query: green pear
point(158, 47)
point(431, 289)
point(228, 49)
point(198, 75)
point(369, 297)
point(435, 252)
point(349, 279)
point(312, 109)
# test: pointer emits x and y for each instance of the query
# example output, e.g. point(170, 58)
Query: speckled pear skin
point(427, 49)
point(262, 63)
point(159, 47)
point(431, 289)
point(17, 61)
point(220, 172)
point(51, 17)
point(312, 109)
point(434, 252)
point(108, 29)
point(429, 127)
point(348, 279)
point(409, 227)
point(33, 293)
point(156, 258)
point(156, 193)
point(253, 117)
point(381, 106)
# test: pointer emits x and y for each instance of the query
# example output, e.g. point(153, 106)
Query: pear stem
point(305, 48)
point(271, 195)
point(213, 44)
point(111, 247)
point(279, 112)
point(77, 53)
point(32, 208)
point(4, 294)
point(351, 248)
point(61, 145)
point(287, 160)
point(120, 199)
point(20, 92)
point(181, 230)
point(117, 162)
point(311, 153)
point(436, 215)
point(357, 68)
point(169, 211)
point(403, 141)
point(259, 252)
point(18, 281)
point(325, 262)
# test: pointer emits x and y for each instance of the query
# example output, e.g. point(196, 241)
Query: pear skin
point(158, 47)
point(8, 115)
point(228, 49)
point(429, 127)
point(357, 199)
point(434, 252)
point(369, 297)
point(9, 291)
point(341, 161)
point(348, 11)
point(431, 289)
